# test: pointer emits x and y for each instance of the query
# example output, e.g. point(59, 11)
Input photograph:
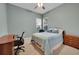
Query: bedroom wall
point(3, 20)
point(20, 20)
point(65, 16)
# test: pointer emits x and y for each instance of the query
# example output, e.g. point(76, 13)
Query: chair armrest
point(17, 36)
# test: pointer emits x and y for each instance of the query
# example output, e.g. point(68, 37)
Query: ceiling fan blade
point(43, 7)
point(35, 7)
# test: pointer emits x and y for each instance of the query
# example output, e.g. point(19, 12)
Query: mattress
point(47, 40)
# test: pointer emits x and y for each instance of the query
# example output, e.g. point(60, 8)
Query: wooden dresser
point(6, 45)
point(71, 40)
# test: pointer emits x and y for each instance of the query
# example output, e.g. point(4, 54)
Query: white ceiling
point(31, 7)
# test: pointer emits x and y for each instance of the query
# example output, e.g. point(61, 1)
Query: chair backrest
point(21, 38)
point(22, 35)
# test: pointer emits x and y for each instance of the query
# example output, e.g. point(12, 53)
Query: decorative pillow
point(53, 30)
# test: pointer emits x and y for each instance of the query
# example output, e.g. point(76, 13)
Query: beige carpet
point(64, 50)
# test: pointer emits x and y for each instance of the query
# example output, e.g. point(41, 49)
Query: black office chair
point(18, 43)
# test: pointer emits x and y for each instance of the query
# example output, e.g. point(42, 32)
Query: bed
point(48, 41)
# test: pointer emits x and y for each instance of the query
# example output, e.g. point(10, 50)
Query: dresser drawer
point(71, 41)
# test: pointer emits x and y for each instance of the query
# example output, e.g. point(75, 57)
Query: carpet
point(63, 50)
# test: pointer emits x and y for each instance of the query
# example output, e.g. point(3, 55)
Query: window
point(38, 23)
point(45, 25)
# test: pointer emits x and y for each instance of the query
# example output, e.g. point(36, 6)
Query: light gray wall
point(66, 16)
point(20, 20)
point(3, 20)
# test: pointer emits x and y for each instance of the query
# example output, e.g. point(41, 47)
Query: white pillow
point(53, 30)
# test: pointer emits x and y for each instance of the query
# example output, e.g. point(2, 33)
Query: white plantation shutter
point(38, 23)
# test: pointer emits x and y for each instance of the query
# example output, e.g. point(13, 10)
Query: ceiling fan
point(40, 5)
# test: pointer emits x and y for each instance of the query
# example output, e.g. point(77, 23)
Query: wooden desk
point(6, 45)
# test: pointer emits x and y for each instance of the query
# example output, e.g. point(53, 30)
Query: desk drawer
point(6, 49)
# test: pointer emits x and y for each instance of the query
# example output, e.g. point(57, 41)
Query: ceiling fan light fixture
point(40, 4)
